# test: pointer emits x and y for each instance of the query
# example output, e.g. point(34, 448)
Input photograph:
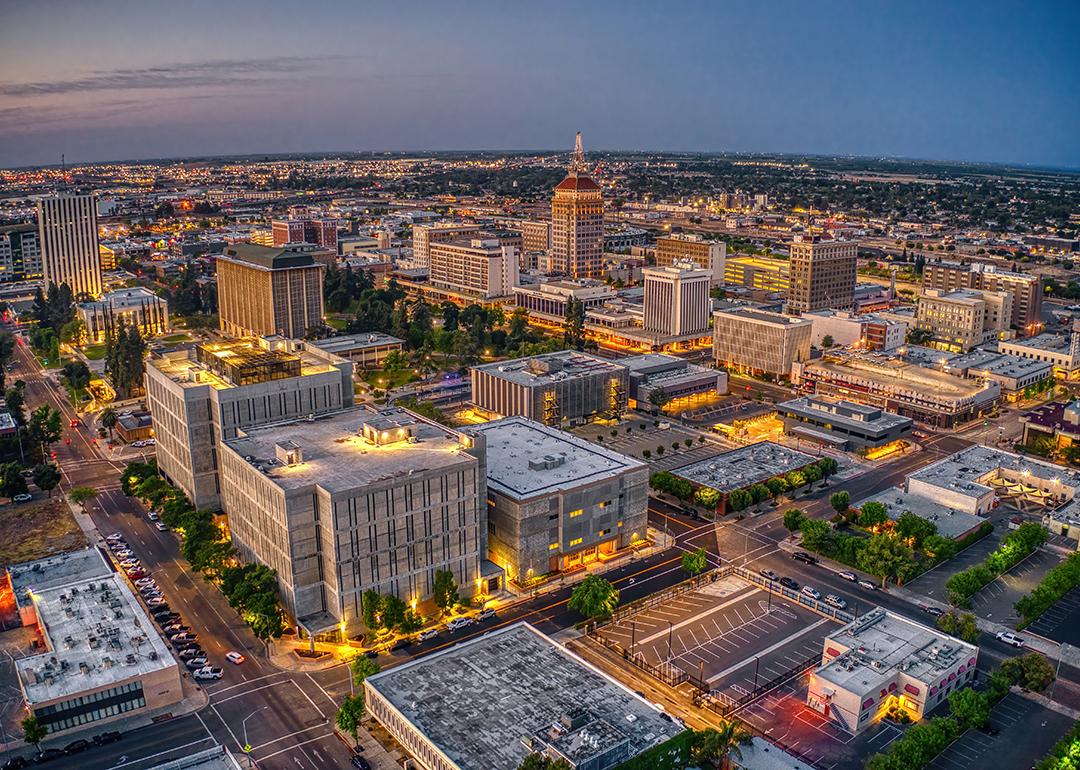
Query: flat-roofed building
point(676, 378)
point(367, 351)
point(841, 328)
point(20, 252)
point(768, 275)
point(103, 658)
point(1026, 289)
point(135, 307)
point(960, 320)
point(556, 501)
point(743, 467)
point(822, 274)
point(1014, 374)
point(535, 236)
point(1061, 351)
point(425, 235)
point(677, 299)
point(548, 301)
point(355, 500)
point(680, 247)
point(1057, 420)
point(559, 388)
point(205, 394)
point(525, 694)
point(950, 523)
point(882, 660)
point(320, 232)
point(482, 266)
point(267, 291)
point(760, 341)
point(68, 239)
point(937, 398)
point(843, 424)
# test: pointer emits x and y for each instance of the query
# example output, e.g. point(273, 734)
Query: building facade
point(553, 388)
point(20, 252)
point(202, 396)
point(268, 291)
point(678, 380)
point(425, 235)
point(68, 238)
point(577, 223)
point(768, 275)
point(355, 500)
point(760, 341)
point(367, 351)
point(535, 236)
point(1026, 290)
point(843, 424)
point(321, 232)
point(677, 299)
point(709, 255)
point(960, 320)
point(556, 501)
point(481, 267)
point(822, 274)
point(138, 307)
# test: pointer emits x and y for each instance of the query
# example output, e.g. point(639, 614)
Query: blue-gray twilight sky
point(947, 79)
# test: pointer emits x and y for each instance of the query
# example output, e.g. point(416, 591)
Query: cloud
point(222, 72)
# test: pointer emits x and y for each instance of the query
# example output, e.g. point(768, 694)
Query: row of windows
point(92, 707)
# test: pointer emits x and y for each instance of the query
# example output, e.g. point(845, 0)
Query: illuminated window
point(620, 523)
point(575, 541)
point(553, 546)
point(578, 512)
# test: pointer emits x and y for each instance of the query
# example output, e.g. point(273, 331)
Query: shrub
point(1054, 585)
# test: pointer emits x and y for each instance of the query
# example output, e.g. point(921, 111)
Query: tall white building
point(68, 234)
point(677, 299)
point(440, 232)
point(481, 267)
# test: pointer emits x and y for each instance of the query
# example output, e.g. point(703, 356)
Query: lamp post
point(243, 724)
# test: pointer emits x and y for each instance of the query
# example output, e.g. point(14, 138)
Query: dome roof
point(577, 182)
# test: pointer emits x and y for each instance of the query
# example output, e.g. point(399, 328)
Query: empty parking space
point(1014, 716)
point(730, 634)
point(932, 583)
point(995, 601)
point(1062, 621)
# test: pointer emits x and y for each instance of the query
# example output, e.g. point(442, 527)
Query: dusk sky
point(949, 79)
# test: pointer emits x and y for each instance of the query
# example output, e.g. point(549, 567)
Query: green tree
point(739, 499)
point(707, 497)
point(970, 708)
point(840, 501)
point(793, 519)
point(46, 476)
point(714, 746)
point(817, 535)
point(44, 427)
point(962, 625)
point(777, 486)
point(872, 513)
point(73, 332)
point(362, 667)
point(759, 492)
point(108, 420)
point(393, 611)
point(537, 761)
point(351, 714)
point(13, 397)
point(80, 495)
point(658, 397)
point(795, 479)
point(1031, 671)
point(11, 481)
point(594, 597)
point(695, 562)
point(445, 589)
point(33, 731)
point(574, 330)
point(828, 466)
point(914, 528)
point(372, 609)
point(885, 557)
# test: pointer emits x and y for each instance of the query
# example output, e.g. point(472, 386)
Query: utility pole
point(669, 627)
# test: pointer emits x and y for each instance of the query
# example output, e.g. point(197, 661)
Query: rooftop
point(1049, 342)
point(1057, 416)
point(349, 449)
point(349, 342)
point(880, 645)
point(895, 375)
point(950, 523)
point(845, 413)
point(525, 458)
point(578, 182)
point(210, 363)
point(214, 758)
point(550, 367)
point(518, 685)
point(96, 632)
point(125, 298)
point(268, 257)
point(977, 470)
point(744, 466)
point(763, 317)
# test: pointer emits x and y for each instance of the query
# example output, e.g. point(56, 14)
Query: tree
point(445, 590)
point(827, 341)
point(872, 513)
point(351, 714)
point(33, 731)
point(362, 667)
point(777, 486)
point(714, 746)
point(816, 534)
point(13, 397)
point(970, 708)
point(793, 519)
point(759, 492)
point(695, 562)
point(840, 501)
point(371, 608)
point(46, 476)
point(594, 597)
point(574, 331)
point(707, 497)
point(1031, 671)
point(828, 466)
point(795, 479)
point(914, 528)
point(537, 761)
point(108, 420)
point(80, 495)
point(658, 397)
point(393, 611)
point(962, 625)
point(885, 557)
point(44, 426)
point(739, 500)
point(77, 376)
point(450, 314)
point(11, 481)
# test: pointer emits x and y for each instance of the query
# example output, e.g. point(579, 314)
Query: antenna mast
point(579, 155)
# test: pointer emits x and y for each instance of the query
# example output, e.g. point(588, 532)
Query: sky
point(950, 79)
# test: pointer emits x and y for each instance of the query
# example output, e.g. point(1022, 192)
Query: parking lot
point(1062, 621)
point(653, 439)
point(731, 634)
point(932, 583)
point(995, 601)
point(1037, 727)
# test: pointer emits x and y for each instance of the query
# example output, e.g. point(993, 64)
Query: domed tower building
point(577, 222)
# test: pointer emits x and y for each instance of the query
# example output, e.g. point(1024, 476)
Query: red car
point(73, 423)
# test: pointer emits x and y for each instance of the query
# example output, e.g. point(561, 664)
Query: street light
point(243, 724)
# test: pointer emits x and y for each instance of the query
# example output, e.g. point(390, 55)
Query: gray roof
point(269, 258)
point(550, 367)
point(344, 344)
point(478, 700)
point(744, 466)
point(950, 523)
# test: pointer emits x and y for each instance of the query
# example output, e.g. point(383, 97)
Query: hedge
point(1066, 753)
point(1015, 547)
point(1054, 585)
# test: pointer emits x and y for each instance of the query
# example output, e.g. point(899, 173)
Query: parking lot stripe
point(710, 611)
point(767, 650)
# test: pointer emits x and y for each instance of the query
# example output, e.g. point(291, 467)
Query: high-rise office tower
point(440, 232)
point(677, 299)
point(20, 252)
point(680, 248)
point(68, 234)
point(321, 232)
point(822, 274)
point(577, 222)
point(265, 291)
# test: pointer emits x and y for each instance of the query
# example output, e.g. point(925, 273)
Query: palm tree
point(715, 746)
point(108, 420)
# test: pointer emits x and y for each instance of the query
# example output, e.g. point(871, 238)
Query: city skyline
point(921, 81)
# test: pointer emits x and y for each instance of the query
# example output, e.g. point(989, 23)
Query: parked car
point(157, 603)
point(360, 763)
point(114, 536)
point(1010, 638)
point(457, 623)
point(136, 573)
point(194, 664)
point(166, 616)
point(836, 601)
point(48, 755)
point(234, 657)
point(23, 497)
point(849, 575)
point(123, 553)
point(77, 747)
point(427, 633)
point(868, 585)
point(768, 574)
point(16, 763)
point(151, 441)
point(812, 592)
point(189, 652)
point(145, 581)
point(934, 612)
point(103, 739)
point(208, 673)
point(162, 526)
point(152, 516)
point(804, 557)
point(401, 644)
point(485, 614)
point(183, 638)
point(787, 582)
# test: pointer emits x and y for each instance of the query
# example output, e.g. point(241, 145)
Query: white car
point(208, 672)
point(23, 498)
point(812, 592)
point(114, 537)
point(162, 526)
point(152, 516)
point(836, 601)
point(1010, 638)
point(234, 657)
point(138, 444)
point(457, 623)
point(427, 633)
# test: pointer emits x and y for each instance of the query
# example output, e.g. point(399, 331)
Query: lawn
point(94, 352)
point(38, 529)
point(337, 323)
point(381, 379)
point(177, 338)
